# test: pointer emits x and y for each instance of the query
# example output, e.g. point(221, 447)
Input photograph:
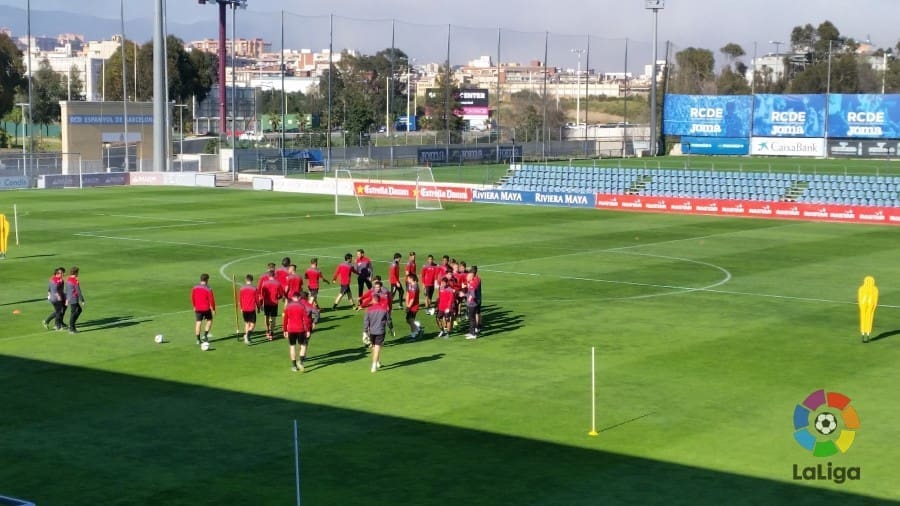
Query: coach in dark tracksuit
point(56, 295)
point(375, 324)
point(74, 299)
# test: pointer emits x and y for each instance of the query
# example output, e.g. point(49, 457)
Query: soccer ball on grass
point(204, 346)
point(158, 339)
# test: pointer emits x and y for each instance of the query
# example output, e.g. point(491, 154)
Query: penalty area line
point(174, 243)
point(155, 218)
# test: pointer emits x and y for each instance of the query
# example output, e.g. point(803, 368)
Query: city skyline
point(421, 29)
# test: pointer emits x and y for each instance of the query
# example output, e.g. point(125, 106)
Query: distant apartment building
point(243, 48)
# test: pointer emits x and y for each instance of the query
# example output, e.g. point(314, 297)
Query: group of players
point(452, 291)
point(65, 295)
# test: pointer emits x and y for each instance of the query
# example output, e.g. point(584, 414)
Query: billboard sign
point(779, 146)
point(864, 116)
point(863, 148)
point(750, 209)
point(714, 146)
point(789, 116)
point(85, 180)
point(707, 115)
point(9, 182)
point(444, 155)
point(109, 119)
point(477, 97)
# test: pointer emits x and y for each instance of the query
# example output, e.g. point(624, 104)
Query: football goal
point(362, 191)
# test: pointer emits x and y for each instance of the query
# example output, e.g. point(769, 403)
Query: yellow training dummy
point(4, 235)
point(868, 301)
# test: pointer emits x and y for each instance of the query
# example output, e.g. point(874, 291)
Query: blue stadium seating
point(762, 186)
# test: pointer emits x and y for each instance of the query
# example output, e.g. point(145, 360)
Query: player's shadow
point(112, 322)
point(885, 335)
point(321, 328)
point(496, 320)
point(238, 336)
point(412, 361)
point(32, 256)
point(26, 301)
point(328, 317)
point(335, 357)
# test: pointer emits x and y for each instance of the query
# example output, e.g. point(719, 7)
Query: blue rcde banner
point(789, 116)
point(559, 199)
point(864, 116)
point(707, 115)
point(714, 146)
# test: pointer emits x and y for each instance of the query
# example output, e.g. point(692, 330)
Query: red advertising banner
point(751, 208)
point(408, 191)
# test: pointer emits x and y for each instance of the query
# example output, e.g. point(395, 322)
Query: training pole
point(234, 297)
point(297, 461)
point(16, 223)
point(593, 431)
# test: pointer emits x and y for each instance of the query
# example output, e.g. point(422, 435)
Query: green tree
point(695, 72)
point(14, 116)
point(892, 76)
point(75, 88)
point(849, 74)
point(12, 73)
point(524, 114)
point(47, 91)
point(730, 82)
point(190, 74)
point(732, 51)
point(440, 104)
point(803, 38)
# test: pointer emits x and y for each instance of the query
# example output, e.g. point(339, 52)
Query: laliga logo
point(825, 424)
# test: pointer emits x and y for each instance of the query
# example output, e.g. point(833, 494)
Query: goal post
point(363, 191)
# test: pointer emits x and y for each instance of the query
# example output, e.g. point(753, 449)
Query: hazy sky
point(701, 23)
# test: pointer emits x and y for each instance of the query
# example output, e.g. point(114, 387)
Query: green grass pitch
point(708, 333)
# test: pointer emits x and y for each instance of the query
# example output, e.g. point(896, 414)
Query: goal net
point(362, 191)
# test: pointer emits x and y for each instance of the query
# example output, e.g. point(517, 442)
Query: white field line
point(174, 243)
point(681, 289)
point(621, 248)
point(124, 320)
point(155, 218)
point(131, 229)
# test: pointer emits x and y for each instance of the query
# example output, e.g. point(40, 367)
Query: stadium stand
point(880, 191)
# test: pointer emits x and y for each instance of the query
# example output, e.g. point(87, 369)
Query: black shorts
point(446, 315)
point(298, 338)
point(345, 289)
point(314, 293)
point(379, 340)
point(249, 316)
point(271, 311)
point(411, 314)
point(429, 291)
point(203, 315)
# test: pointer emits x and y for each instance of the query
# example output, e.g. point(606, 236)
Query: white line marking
point(153, 218)
point(176, 243)
point(158, 227)
point(621, 248)
point(681, 289)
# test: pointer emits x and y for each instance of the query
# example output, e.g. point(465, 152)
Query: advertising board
point(789, 115)
point(707, 115)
